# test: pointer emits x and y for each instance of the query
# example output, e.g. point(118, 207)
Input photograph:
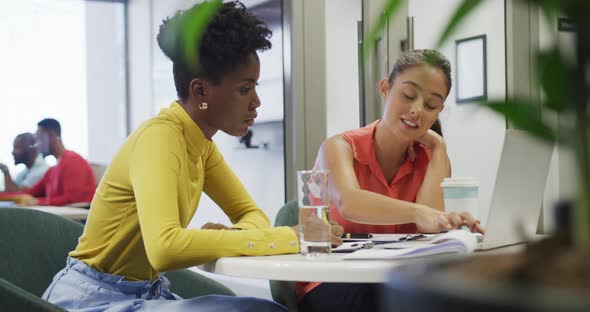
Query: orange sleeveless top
point(404, 185)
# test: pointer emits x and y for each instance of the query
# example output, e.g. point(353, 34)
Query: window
point(55, 64)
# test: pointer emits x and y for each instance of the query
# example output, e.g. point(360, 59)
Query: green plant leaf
point(551, 7)
point(552, 75)
point(194, 22)
point(524, 116)
point(462, 11)
point(389, 10)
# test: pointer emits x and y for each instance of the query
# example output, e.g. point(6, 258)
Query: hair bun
point(180, 35)
point(169, 37)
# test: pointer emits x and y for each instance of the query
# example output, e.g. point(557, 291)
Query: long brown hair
point(421, 57)
point(437, 127)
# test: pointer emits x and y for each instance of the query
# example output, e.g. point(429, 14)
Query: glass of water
point(314, 213)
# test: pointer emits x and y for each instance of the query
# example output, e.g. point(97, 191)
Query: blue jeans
point(79, 287)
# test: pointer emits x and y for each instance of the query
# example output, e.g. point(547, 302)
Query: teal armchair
point(283, 292)
point(14, 298)
point(190, 284)
point(34, 247)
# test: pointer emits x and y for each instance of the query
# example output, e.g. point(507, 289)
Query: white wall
point(140, 61)
point(270, 88)
point(474, 135)
point(342, 79)
point(106, 75)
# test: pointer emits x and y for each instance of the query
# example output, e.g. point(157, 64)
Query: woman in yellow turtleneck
point(148, 195)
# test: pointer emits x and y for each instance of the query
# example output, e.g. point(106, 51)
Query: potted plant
point(550, 275)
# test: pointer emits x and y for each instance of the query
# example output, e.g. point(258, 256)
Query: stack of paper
point(458, 241)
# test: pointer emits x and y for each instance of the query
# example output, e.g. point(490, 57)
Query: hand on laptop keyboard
point(430, 220)
point(464, 218)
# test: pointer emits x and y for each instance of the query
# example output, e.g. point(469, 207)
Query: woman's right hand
point(429, 220)
point(336, 231)
point(464, 218)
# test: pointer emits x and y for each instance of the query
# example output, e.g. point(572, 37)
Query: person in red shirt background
point(70, 181)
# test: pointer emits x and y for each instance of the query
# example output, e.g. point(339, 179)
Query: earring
point(203, 105)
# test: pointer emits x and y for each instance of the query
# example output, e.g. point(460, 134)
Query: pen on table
point(357, 235)
point(410, 237)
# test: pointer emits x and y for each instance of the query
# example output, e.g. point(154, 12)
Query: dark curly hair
point(229, 38)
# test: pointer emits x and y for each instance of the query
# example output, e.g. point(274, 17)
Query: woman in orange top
point(385, 177)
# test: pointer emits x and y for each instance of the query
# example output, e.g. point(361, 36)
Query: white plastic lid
point(460, 182)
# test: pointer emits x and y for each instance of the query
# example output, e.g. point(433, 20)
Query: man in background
point(24, 151)
point(70, 181)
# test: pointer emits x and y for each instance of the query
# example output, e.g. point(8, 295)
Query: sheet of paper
point(458, 241)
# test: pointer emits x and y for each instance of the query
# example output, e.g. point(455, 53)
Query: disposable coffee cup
point(461, 194)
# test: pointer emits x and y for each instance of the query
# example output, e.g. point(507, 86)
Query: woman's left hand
point(431, 139)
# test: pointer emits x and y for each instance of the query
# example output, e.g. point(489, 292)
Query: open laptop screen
point(518, 192)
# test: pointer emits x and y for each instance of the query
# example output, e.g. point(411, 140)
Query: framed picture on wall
point(471, 69)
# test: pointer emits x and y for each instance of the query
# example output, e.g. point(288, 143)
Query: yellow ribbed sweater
point(149, 194)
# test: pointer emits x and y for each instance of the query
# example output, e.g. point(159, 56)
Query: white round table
point(332, 268)
point(297, 268)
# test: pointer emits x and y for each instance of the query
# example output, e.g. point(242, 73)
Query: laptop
point(517, 197)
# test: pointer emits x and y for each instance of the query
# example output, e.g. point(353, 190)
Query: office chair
point(283, 292)
point(34, 247)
